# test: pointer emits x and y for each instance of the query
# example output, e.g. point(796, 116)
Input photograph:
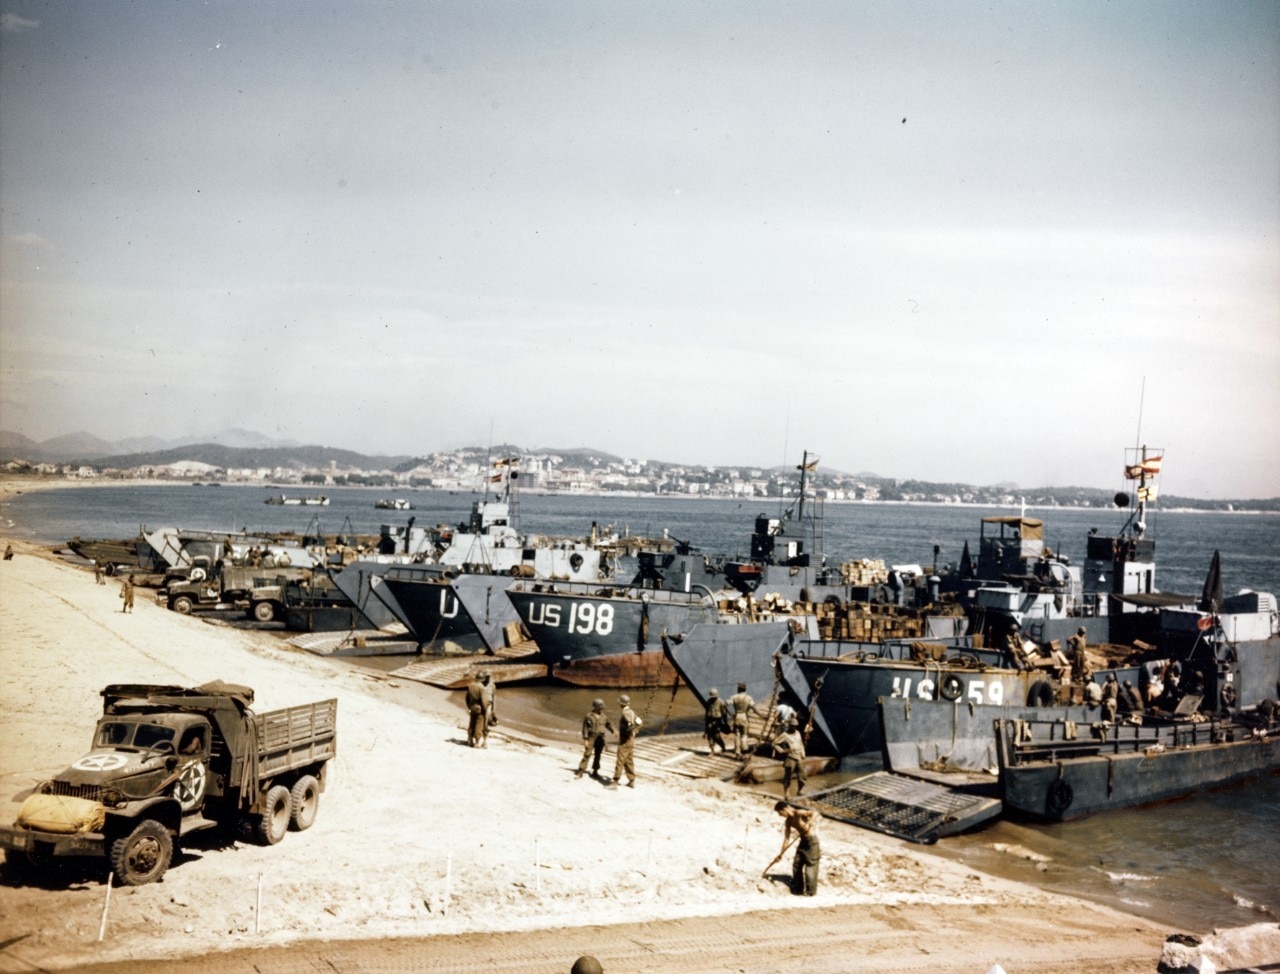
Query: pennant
point(1148, 493)
point(1147, 468)
point(1211, 594)
point(495, 478)
point(506, 461)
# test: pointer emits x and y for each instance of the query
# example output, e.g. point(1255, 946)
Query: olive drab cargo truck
point(167, 761)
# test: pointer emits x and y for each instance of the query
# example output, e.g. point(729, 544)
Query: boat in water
point(319, 500)
point(393, 504)
point(457, 601)
point(611, 635)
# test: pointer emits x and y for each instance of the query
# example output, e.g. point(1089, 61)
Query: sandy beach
point(498, 853)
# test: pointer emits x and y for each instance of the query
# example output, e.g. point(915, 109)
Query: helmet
point(597, 704)
point(624, 699)
point(714, 692)
point(1080, 631)
point(742, 686)
point(586, 964)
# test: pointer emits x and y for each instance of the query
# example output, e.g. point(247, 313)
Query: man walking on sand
point(804, 868)
point(476, 702)
point(97, 573)
point(742, 705)
point(594, 727)
point(126, 593)
point(789, 745)
point(628, 726)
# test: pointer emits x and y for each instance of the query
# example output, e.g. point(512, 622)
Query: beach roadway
point(429, 855)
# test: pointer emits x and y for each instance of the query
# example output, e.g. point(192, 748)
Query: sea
point(1211, 860)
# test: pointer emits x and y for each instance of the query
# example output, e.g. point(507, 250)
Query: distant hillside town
point(569, 471)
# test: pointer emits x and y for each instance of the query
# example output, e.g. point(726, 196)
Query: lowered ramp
point(919, 811)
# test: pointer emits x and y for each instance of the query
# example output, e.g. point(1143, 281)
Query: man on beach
point(476, 702)
point(715, 721)
point(126, 593)
point(594, 726)
point(790, 746)
point(97, 573)
point(628, 726)
point(804, 868)
point(742, 705)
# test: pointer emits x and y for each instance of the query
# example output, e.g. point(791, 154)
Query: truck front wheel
point(304, 803)
point(143, 855)
point(273, 823)
point(264, 611)
point(182, 605)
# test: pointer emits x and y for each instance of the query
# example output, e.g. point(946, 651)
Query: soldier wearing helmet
point(628, 726)
point(594, 727)
point(586, 964)
point(716, 721)
point(475, 699)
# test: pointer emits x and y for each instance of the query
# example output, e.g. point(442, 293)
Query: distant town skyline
point(956, 241)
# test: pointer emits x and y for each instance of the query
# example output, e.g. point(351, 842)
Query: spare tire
point(1040, 694)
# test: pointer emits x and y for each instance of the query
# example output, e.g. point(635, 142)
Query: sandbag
point(61, 814)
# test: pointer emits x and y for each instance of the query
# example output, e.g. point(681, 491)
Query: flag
point(506, 461)
point(495, 478)
point(811, 466)
point(1148, 493)
point(1211, 594)
point(1147, 468)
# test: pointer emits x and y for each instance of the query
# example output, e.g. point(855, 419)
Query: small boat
point(319, 500)
point(393, 504)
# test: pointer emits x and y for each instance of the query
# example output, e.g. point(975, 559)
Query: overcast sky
point(938, 240)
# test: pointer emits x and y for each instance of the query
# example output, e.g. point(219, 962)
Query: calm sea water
point(1211, 860)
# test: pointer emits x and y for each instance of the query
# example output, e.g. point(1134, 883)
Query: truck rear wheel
point(182, 605)
point(264, 611)
point(274, 822)
point(304, 803)
point(143, 855)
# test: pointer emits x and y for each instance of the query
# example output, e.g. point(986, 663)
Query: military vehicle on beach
point(168, 761)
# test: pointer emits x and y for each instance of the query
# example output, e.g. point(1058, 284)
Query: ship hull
point(1072, 787)
point(589, 636)
point(842, 694)
point(466, 613)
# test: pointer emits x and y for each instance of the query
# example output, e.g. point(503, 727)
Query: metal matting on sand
point(910, 809)
point(357, 642)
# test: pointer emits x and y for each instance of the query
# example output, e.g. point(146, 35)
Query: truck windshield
point(141, 736)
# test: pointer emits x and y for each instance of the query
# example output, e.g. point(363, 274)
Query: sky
point(953, 241)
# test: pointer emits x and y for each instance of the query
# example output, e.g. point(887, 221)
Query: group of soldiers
point(720, 718)
point(787, 743)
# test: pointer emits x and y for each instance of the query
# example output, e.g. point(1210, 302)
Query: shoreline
point(420, 836)
point(10, 484)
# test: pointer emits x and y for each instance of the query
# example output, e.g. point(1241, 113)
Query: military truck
point(256, 590)
point(168, 761)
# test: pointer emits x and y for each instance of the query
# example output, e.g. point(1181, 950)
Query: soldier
point(1110, 697)
point(790, 745)
point(804, 868)
point(490, 700)
point(126, 593)
point(8, 552)
point(742, 704)
point(1079, 663)
point(594, 726)
point(97, 573)
point(475, 708)
point(715, 720)
point(628, 727)
point(586, 964)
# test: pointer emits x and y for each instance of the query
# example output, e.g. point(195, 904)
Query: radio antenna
point(1141, 396)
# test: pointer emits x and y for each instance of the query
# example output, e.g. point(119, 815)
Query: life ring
point(951, 687)
point(575, 561)
point(1040, 694)
point(1228, 696)
point(1204, 623)
point(1059, 797)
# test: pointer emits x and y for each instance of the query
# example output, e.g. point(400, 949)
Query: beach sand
point(499, 856)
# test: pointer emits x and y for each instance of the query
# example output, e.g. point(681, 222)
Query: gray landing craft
point(1206, 716)
point(610, 636)
point(459, 603)
point(1017, 579)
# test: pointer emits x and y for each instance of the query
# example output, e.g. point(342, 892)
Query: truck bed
point(296, 736)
